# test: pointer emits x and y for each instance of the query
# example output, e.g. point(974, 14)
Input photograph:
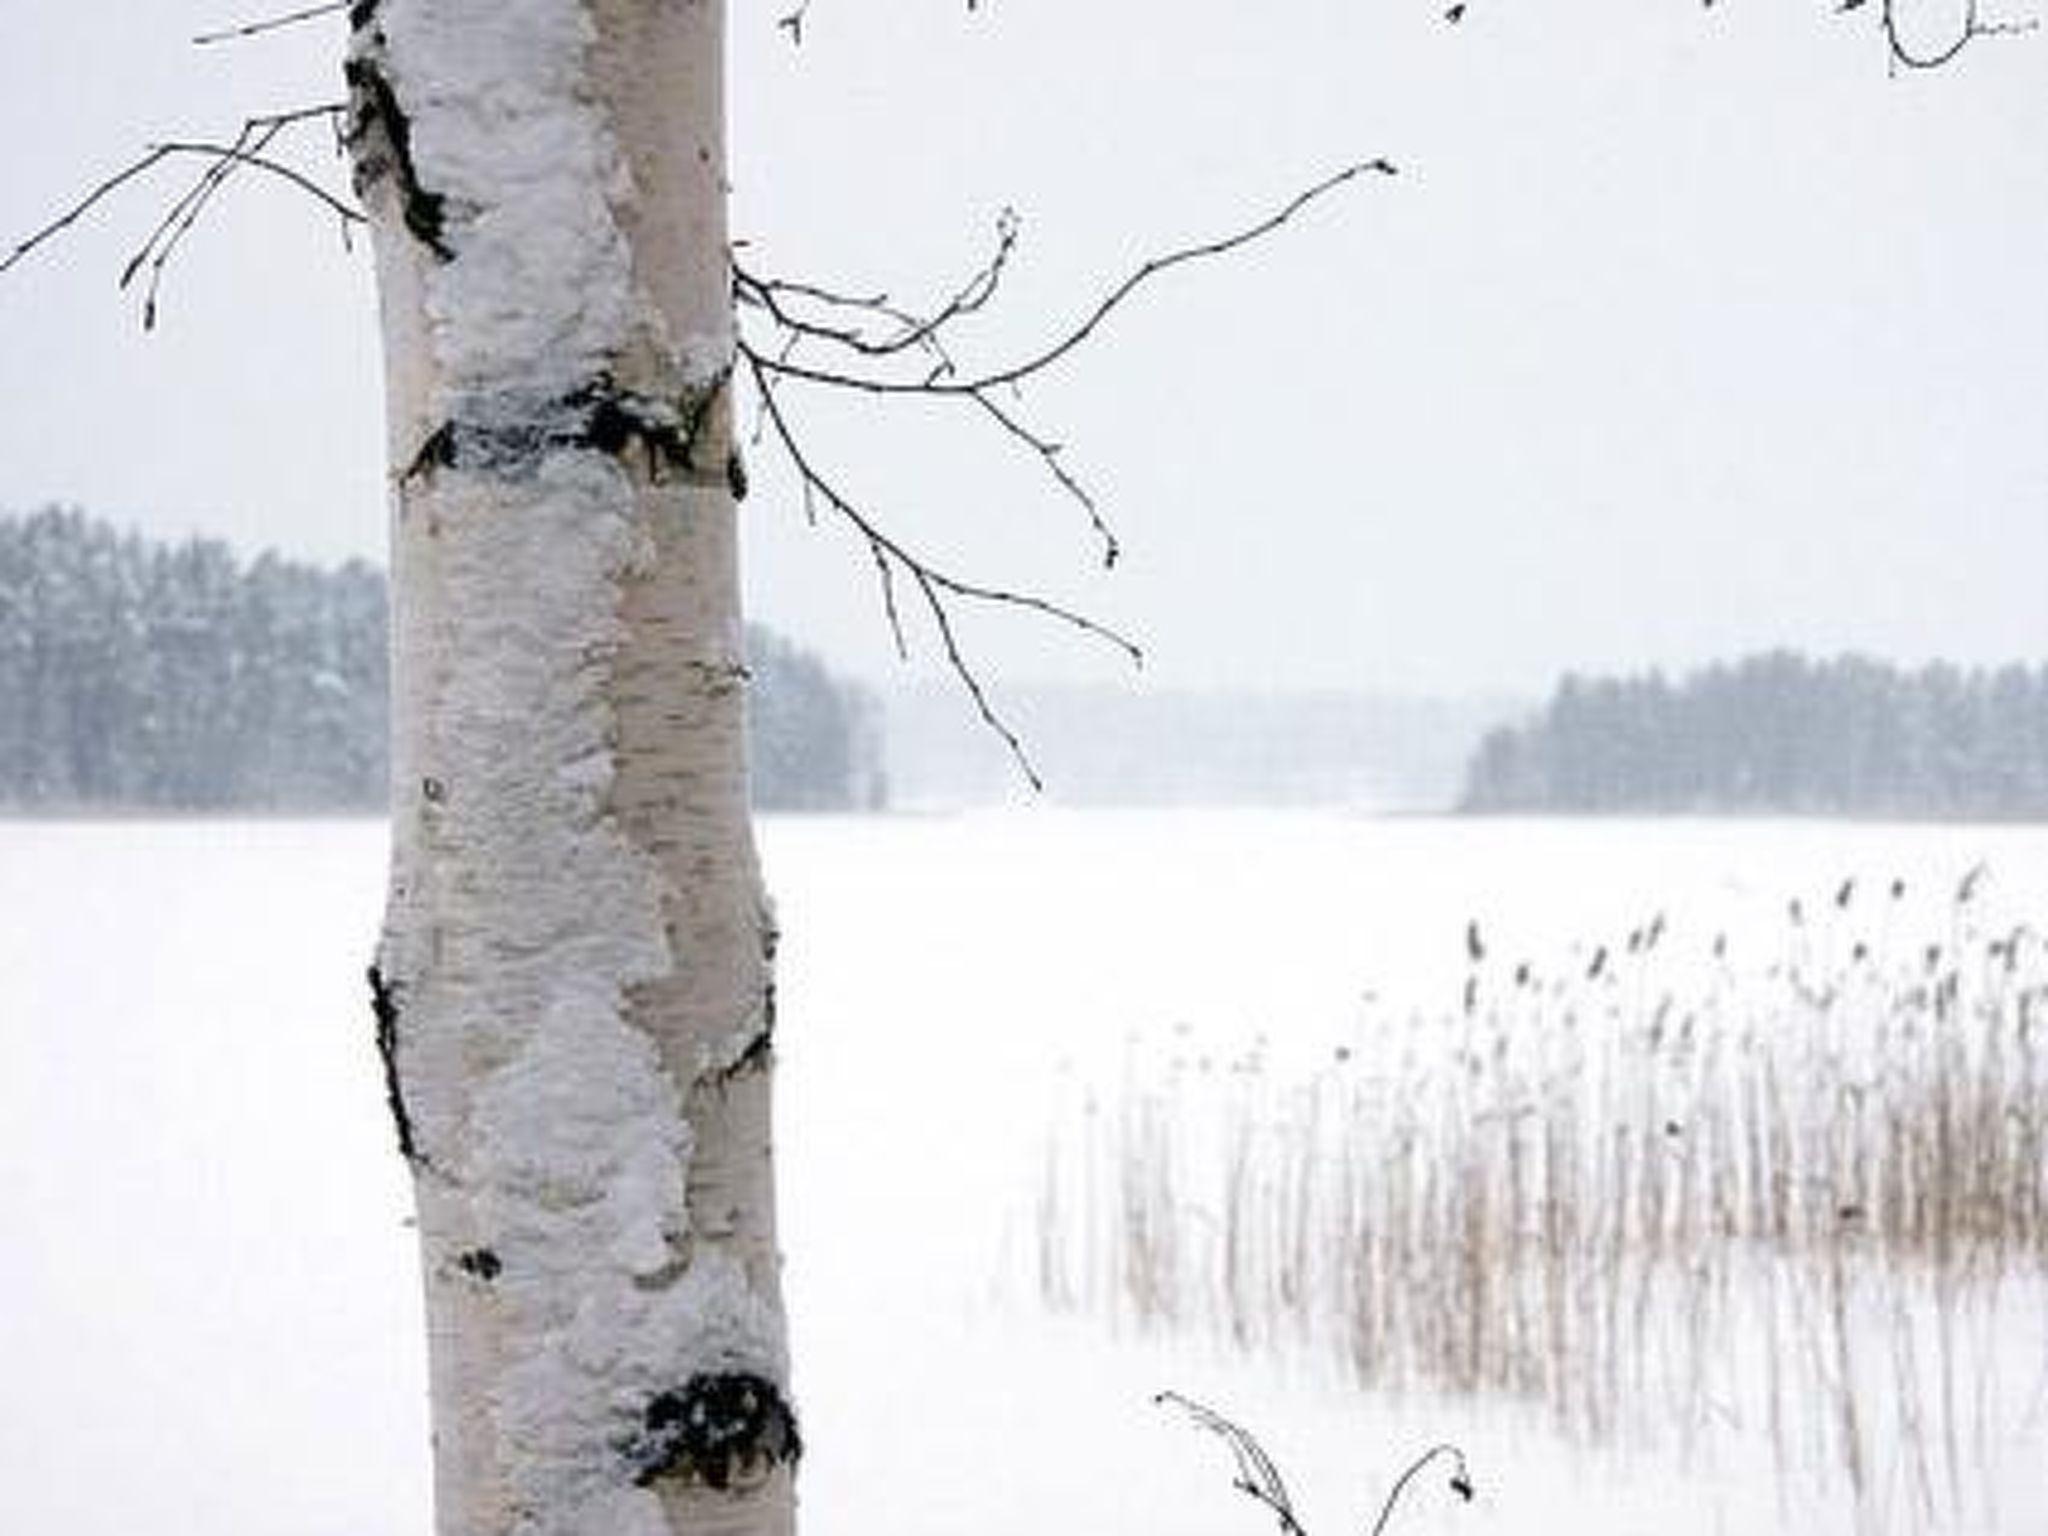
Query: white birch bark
point(573, 987)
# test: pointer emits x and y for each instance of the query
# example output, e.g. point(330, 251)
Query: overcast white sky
point(1684, 331)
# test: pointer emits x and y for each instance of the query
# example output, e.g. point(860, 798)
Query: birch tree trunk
point(572, 991)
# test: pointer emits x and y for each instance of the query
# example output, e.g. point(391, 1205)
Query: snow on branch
point(866, 344)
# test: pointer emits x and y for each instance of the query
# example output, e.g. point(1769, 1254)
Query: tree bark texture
point(573, 988)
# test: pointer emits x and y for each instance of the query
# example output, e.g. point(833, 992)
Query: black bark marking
point(384, 1005)
point(758, 1052)
point(362, 13)
point(597, 416)
point(481, 1263)
point(720, 1426)
point(736, 475)
point(437, 452)
point(373, 102)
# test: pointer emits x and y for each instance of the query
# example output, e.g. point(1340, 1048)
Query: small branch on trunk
point(938, 588)
point(249, 150)
point(270, 24)
point(863, 343)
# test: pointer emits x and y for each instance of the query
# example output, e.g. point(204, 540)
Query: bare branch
point(1900, 53)
point(943, 619)
point(951, 585)
point(1256, 1475)
point(227, 159)
point(78, 210)
point(771, 295)
point(1017, 373)
point(1258, 1478)
point(1971, 27)
point(1460, 1482)
point(269, 24)
point(1049, 454)
point(939, 588)
point(887, 574)
point(779, 301)
point(248, 150)
point(867, 339)
point(1190, 253)
point(911, 332)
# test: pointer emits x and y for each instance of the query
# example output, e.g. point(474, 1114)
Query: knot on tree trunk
point(721, 1428)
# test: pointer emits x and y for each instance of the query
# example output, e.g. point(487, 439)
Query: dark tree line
point(1780, 733)
point(814, 740)
point(148, 675)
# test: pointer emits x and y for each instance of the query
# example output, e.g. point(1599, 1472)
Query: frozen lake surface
point(208, 1310)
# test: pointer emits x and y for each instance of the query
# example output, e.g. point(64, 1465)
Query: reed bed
point(1667, 1187)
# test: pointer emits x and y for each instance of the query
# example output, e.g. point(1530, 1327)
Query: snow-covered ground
point(208, 1318)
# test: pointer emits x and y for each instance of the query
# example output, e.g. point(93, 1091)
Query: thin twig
point(1049, 454)
point(1971, 27)
point(178, 221)
point(224, 160)
point(1016, 373)
point(938, 588)
point(864, 336)
point(1256, 1475)
point(270, 24)
point(1259, 1478)
point(1461, 1482)
point(776, 299)
point(1900, 54)
point(912, 331)
point(228, 159)
point(94, 196)
point(954, 586)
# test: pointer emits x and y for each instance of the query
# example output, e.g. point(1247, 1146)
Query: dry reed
point(1661, 1190)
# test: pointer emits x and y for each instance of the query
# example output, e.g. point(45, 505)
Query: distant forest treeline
point(1780, 733)
point(139, 674)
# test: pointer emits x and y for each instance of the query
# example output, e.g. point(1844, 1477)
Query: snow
point(575, 1149)
point(501, 127)
point(209, 1300)
point(549, 1130)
